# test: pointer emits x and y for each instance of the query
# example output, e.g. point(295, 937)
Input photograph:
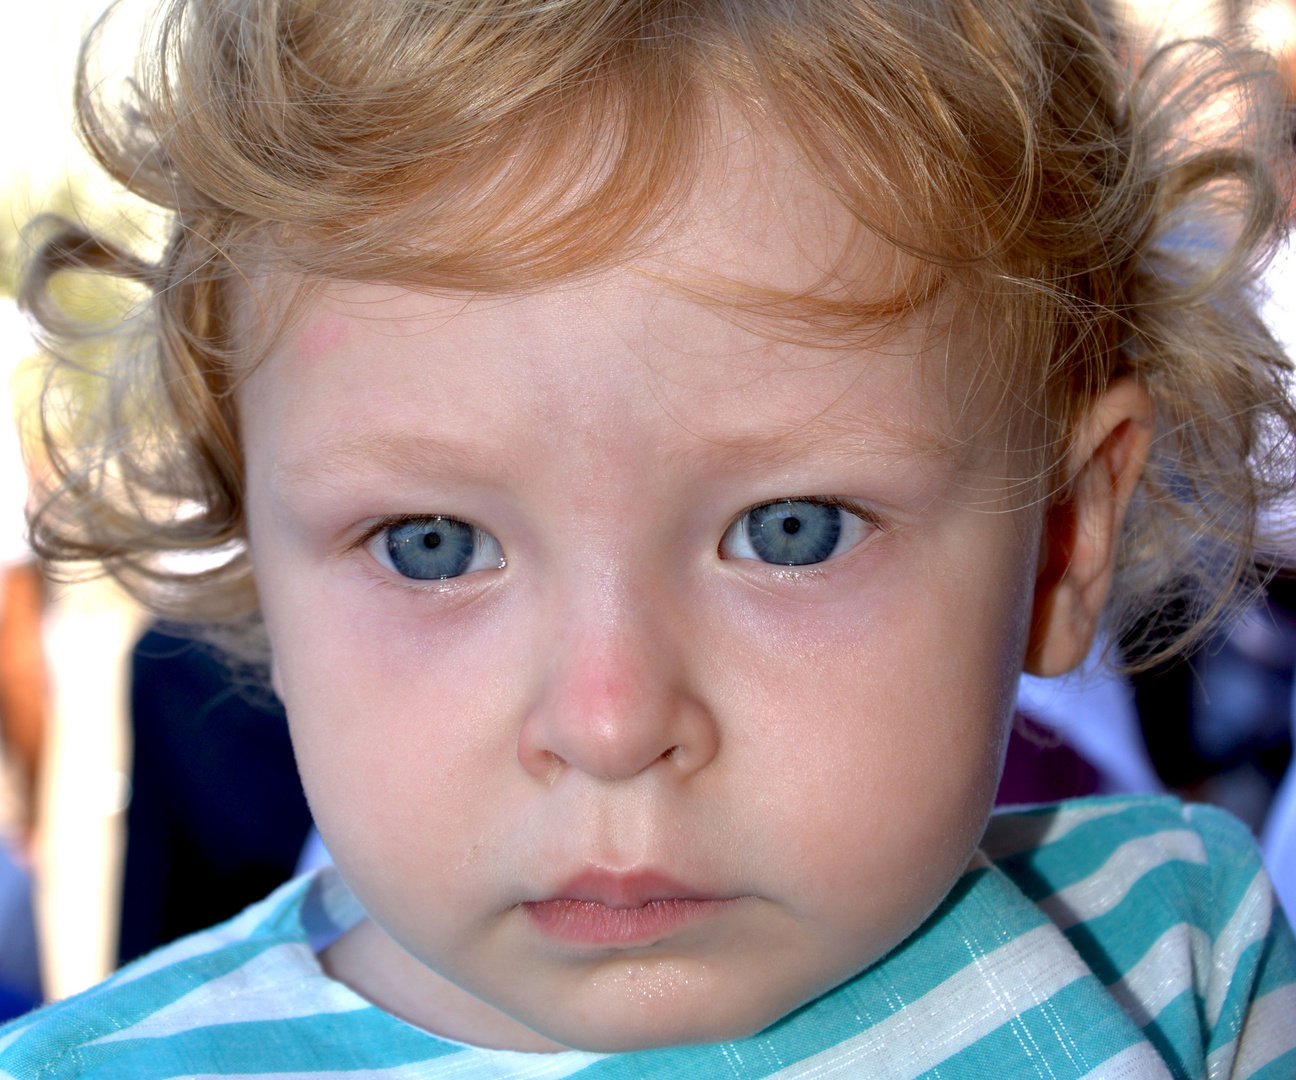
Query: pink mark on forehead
point(321, 336)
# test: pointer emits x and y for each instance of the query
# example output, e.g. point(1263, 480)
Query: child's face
point(621, 777)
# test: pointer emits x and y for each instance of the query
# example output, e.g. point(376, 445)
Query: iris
point(794, 532)
point(431, 548)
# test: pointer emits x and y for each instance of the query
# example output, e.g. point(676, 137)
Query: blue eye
point(794, 532)
point(435, 548)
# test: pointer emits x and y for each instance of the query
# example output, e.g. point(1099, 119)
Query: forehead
point(620, 338)
point(692, 332)
point(615, 393)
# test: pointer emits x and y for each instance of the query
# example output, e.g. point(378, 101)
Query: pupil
point(431, 540)
point(791, 525)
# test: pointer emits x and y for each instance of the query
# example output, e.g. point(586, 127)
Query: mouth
point(600, 907)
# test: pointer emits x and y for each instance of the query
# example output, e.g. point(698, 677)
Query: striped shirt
point(1118, 938)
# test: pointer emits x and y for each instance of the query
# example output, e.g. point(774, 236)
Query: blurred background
point(145, 792)
point(106, 722)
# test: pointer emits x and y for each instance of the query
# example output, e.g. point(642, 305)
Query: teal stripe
point(1278, 964)
point(280, 919)
point(981, 914)
point(1075, 1031)
point(1281, 1068)
point(1114, 942)
point(1177, 1035)
point(1232, 859)
point(106, 1009)
point(953, 937)
point(1241, 993)
point(1084, 850)
point(1219, 897)
point(1063, 808)
point(744, 1060)
point(365, 1039)
point(1066, 1036)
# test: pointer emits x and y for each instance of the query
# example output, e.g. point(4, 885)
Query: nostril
point(673, 753)
point(551, 767)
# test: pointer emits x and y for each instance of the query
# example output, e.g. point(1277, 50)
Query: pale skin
point(813, 748)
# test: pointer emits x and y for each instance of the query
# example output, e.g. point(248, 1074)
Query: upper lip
point(627, 889)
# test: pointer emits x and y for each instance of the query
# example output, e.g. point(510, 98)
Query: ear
point(1082, 527)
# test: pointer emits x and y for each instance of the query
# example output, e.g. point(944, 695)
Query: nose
point(616, 704)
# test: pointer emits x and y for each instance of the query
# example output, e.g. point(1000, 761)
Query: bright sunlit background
point(89, 628)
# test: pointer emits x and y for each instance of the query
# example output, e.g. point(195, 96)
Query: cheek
point(876, 728)
point(400, 726)
point(860, 739)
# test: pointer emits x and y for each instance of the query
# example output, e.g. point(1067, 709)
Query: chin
point(646, 1024)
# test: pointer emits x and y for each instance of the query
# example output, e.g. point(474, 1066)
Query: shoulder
point(162, 1008)
point(1170, 906)
point(1083, 858)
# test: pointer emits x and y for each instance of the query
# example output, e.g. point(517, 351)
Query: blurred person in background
point(22, 719)
point(1218, 723)
point(217, 816)
point(1215, 725)
point(24, 705)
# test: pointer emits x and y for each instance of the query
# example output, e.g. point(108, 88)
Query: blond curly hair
point(1114, 204)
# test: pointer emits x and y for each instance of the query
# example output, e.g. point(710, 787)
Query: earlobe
point(1082, 528)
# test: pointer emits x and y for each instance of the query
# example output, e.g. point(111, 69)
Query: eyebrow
point(408, 454)
point(417, 456)
point(826, 437)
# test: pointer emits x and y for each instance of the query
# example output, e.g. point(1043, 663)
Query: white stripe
point(283, 982)
point(1164, 972)
point(1269, 1031)
point(1248, 924)
point(1014, 832)
point(478, 1065)
point(1137, 1062)
point(1107, 886)
point(22, 1029)
point(1219, 1062)
point(967, 1006)
point(236, 931)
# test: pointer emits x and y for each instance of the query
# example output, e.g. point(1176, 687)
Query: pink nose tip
point(612, 722)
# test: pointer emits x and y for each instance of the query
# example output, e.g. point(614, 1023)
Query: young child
point(654, 436)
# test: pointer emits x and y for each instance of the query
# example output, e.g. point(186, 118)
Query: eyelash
point(865, 513)
point(386, 523)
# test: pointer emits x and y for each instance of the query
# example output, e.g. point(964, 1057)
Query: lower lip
point(586, 922)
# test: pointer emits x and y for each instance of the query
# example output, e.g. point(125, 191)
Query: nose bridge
point(615, 700)
point(607, 685)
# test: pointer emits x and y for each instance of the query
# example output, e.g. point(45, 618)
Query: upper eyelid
point(860, 510)
point(402, 519)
